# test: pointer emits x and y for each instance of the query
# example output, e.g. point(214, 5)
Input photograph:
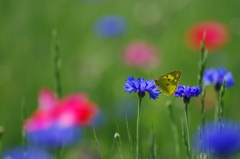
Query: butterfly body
point(168, 83)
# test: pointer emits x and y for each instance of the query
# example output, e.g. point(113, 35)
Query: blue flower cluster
point(217, 76)
point(25, 153)
point(218, 139)
point(142, 86)
point(110, 26)
point(187, 91)
point(54, 137)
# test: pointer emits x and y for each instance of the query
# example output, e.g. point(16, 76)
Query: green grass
point(94, 65)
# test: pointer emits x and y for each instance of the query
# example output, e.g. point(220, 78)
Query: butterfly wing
point(168, 83)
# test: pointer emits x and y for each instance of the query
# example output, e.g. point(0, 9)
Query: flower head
point(187, 91)
point(141, 54)
point(218, 139)
point(217, 76)
point(216, 35)
point(56, 121)
point(141, 86)
point(110, 26)
point(54, 136)
point(25, 153)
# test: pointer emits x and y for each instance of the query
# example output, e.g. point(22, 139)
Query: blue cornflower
point(141, 87)
point(218, 139)
point(54, 136)
point(110, 26)
point(217, 76)
point(25, 153)
point(187, 91)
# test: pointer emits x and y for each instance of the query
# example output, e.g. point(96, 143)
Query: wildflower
point(187, 92)
point(140, 54)
point(56, 121)
point(54, 136)
point(217, 76)
point(141, 87)
point(110, 26)
point(216, 35)
point(218, 139)
point(25, 153)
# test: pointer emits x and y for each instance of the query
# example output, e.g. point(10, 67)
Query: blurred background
point(101, 43)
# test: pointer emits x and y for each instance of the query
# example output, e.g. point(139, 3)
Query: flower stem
point(137, 128)
point(221, 101)
point(56, 62)
point(129, 137)
point(203, 94)
point(119, 143)
point(174, 129)
point(96, 142)
point(187, 126)
point(184, 140)
point(23, 118)
point(216, 107)
point(201, 68)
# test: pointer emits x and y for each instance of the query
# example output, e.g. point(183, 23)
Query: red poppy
point(216, 35)
point(72, 110)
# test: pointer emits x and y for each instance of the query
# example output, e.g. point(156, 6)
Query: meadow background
point(95, 64)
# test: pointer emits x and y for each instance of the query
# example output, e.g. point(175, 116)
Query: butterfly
point(168, 83)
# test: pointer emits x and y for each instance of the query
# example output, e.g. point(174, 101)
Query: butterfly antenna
point(152, 75)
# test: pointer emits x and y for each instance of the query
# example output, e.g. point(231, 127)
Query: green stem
point(187, 126)
point(174, 129)
point(185, 141)
point(129, 137)
point(221, 100)
point(56, 62)
point(137, 131)
point(119, 143)
point(57, 153)
point(97, 144)
point(203, 106)
point(216, 107)
point(23, 118)
point(1, 134)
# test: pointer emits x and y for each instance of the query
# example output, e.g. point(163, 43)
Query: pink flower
point(140, 54)
point(216, 35)
point(72, 110)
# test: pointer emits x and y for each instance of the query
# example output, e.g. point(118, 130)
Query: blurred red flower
point(72, 110)
point(216, 35)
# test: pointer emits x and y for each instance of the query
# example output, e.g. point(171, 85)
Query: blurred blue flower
point(142, 86)
point(110, 26)
point(187, 91)
point(219, 139)
point(125, 108)
point(99, 120)
point(54, 137)
point(217, 76)
point(25, 153)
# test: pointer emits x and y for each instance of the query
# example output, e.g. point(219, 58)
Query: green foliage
point(94, 65)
